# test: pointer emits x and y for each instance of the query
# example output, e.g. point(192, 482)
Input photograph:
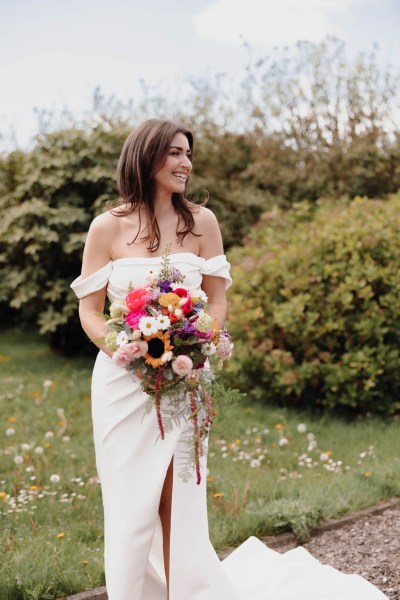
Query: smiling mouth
point(180, 176)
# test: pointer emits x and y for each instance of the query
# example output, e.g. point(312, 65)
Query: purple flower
point(188, 328)
point(165, 286)
point(176, 275)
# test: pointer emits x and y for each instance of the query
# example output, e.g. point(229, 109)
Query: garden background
point(301, 166)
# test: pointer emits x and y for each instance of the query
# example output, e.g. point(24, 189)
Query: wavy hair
point(143, 154)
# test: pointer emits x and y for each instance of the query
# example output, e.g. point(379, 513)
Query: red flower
point(137, 299)
point(182, 293)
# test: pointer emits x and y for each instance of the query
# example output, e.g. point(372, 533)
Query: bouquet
point(163, 333)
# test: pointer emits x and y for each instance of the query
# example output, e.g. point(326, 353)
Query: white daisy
point(209, 348)
point(198, 293)
point(121, 339)
point(148, 325)
point(163, 321)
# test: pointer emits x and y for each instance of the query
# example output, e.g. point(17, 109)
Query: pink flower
point(182, 365)
point(130, 352)
point(137, 298)
point(134, 317)
point(224, 348)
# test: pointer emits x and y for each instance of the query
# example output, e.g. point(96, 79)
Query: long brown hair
point(143, 155)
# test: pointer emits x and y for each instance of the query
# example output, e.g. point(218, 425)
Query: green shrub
point(47, 204)
point(315, 307)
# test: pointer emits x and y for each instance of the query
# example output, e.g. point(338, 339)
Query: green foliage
point(315, 307)
point(50, 197)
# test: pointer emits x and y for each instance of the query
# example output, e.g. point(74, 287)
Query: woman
point(156, 531)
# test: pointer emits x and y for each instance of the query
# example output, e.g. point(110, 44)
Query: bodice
point(122, 274)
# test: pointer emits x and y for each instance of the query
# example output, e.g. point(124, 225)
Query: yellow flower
point(60, 535)
point(169, 298)
point(249, 409)
point(367, 473)
point(4, 358)
point(12, 420)
point(210, 479)
point(218, 495)
point(3, 495)
point(278, 426)
point(84, 562)
point(158, 344)
point(33, 487)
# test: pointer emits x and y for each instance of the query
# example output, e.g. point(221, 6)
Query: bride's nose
point(186, 162)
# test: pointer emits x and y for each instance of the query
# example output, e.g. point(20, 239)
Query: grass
point(281, 471)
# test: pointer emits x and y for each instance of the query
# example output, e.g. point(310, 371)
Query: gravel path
point(370, 547)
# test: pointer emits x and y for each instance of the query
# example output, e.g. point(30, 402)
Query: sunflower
point(158, 344)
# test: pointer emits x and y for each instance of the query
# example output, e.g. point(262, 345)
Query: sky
point(54, 53)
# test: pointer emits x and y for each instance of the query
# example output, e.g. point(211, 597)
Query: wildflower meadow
point(270, 470)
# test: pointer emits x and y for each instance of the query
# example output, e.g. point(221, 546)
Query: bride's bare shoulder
point(108, 222)
point(207, 228)
point(204, 218)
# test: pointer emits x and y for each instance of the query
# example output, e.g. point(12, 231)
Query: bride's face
point(172, 176)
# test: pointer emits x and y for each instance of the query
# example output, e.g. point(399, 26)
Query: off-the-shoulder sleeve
point(218, 266)
point(94, 282)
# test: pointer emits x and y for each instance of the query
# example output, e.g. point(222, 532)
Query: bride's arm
point(95, 255)
point(211, 245)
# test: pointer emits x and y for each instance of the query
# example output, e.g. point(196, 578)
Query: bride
point(155, 524)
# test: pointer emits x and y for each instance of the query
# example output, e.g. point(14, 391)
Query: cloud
point(273, 22)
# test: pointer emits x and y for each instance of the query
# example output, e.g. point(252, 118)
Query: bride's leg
point(165, 517)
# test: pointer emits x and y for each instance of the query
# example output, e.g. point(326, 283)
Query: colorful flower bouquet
point(164, 335)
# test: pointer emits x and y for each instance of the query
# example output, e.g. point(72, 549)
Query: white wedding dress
point(132, 462)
